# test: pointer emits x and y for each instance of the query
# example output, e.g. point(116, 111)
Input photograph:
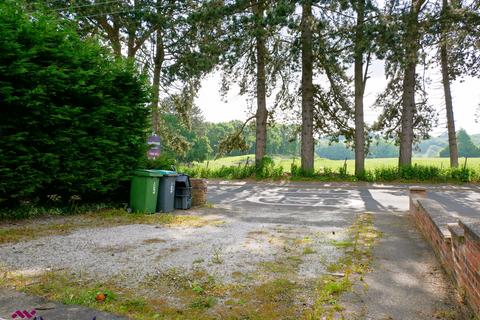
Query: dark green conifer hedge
point(73, 119)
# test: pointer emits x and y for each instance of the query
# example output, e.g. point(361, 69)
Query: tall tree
point(318, 48)
point(364, 31)
point(444, 62)
point(262, 113)
point(459, 31)
point(307, 143)
point(360, 79)
point(158, 59)
point(411, 42)
point(252, 60)
point(406, 115)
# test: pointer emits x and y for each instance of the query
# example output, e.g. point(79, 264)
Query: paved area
point(462, 201)
point(12, 301)
point(252, 223)
point(407, 282)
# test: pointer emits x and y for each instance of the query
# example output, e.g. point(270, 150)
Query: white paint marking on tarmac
point(308, 198)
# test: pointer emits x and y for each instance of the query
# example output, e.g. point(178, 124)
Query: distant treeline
point(204, 140)
point(433, 147)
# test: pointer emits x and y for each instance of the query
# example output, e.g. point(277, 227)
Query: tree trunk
point(452, 137)
point(408, 107)
point(117, 47)
point(112, 33)
point(131, 31)
point(131, 43)
point(359, 91)
point(409, 77)
point(158, 61)
point(262, 113)
point(307, 144)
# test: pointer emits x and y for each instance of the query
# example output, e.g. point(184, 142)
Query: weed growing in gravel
point(343, 243)
point(196, 261)
point(202, 302)
point(281, 265)
point(349, 268)
point(217, 259)
point(308, 250)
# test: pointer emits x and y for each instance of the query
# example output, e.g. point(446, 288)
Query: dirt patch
point(154, 240)
point(37, 228)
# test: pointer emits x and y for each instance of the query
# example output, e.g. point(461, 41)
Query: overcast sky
point(466, 98)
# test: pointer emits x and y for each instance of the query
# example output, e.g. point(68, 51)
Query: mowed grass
point(320, 163)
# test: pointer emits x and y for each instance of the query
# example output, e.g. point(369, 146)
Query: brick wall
point(466, 260)
point(456, 244)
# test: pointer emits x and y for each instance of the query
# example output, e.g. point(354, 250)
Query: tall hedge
point(73, 119)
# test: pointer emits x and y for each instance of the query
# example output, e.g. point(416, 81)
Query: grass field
point(320, 163)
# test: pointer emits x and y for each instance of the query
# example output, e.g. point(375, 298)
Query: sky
point(466, 99)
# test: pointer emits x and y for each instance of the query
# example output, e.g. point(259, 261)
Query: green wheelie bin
point(144, 190)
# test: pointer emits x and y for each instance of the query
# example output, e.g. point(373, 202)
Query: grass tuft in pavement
point(349, 268)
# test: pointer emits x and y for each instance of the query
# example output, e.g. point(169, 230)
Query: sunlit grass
point(320, 163)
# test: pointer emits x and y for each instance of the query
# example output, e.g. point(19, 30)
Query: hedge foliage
point(73, 119)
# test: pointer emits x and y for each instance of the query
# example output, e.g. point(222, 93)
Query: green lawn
point(370, 164)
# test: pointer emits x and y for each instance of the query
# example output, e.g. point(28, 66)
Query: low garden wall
point(199, 191)
point(455, 243)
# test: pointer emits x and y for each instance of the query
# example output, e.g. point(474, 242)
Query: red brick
point(474, 257)
point(472, 243)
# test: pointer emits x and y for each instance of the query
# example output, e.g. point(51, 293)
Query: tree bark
point(359, 91)
point(132, 32)
point(307, 143)
point(131, 52)
point(452, 137)
point(112, 33)
point(158, 61)
point(408, 107)
point(411, 43)
point(262, 113)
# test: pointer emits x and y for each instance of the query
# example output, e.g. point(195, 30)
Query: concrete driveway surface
point(299, 200)
point(407, 282)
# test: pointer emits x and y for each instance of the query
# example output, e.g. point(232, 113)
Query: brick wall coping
point(473, 229)
point(456, 230)
point(439, 216)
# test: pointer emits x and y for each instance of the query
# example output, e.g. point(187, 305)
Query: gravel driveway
point(252, 229)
